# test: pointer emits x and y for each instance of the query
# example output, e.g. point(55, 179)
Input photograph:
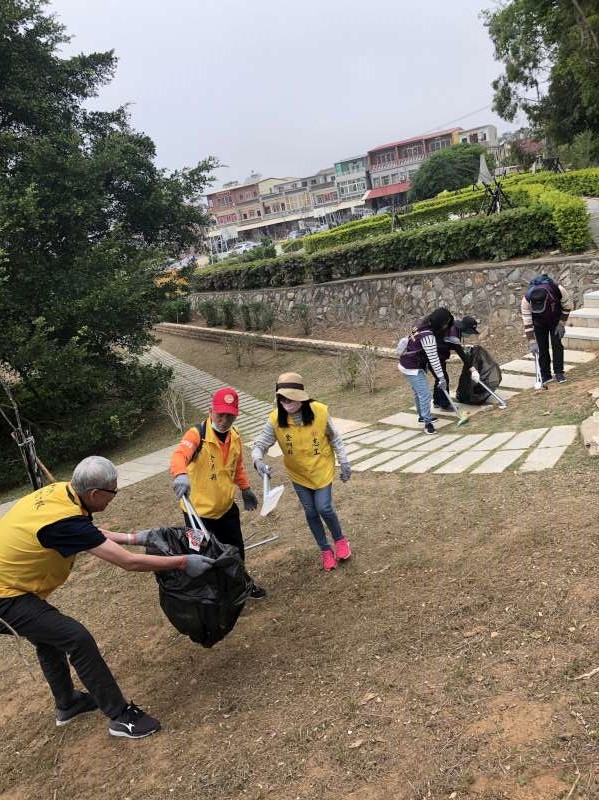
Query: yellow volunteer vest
point(26, 566)
point(212, 478)
point(307, 452)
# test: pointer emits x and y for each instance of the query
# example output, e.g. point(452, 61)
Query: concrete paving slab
point(402, 436)
point(542, 458)
point(559, 436)
point(405, 420)
point(5, 506)
point(371, 437)
point(362, 452)
point(425, 464)
point(377, 458)
point(275, 451)
point(350, 437)
point(525, 439)
point(441, 413)
point(572, 357)
point(461, 463)
point(437, 442)
point(398, 462)
point(351, 447)
point(408, 444)
point(345, 426)
point(516, 381)
point(465, 442)
point(493, 441)
point(527, 367)
point(498, 462)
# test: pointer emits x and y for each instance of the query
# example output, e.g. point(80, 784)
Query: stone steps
point(580, 338)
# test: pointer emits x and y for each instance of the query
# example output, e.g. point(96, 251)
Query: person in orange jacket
point(207, 467)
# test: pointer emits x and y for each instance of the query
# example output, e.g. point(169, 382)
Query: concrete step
point(591, 300)
point(584, 318)
point(581, 338)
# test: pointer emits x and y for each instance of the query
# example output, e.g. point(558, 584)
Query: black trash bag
point(472, 393)
point(204, 608)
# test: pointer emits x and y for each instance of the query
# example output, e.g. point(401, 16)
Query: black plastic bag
point(473, 393)
point(204, 608)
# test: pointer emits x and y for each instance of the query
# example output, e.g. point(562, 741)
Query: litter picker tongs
point(198, 533)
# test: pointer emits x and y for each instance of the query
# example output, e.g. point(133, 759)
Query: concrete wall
point(491, 292)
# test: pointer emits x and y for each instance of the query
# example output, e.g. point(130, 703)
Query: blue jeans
point(422, 394)
point(318, 506)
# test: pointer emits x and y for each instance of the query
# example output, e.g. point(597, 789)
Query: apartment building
point(352, 178)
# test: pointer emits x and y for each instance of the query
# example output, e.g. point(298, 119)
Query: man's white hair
point(94, 472)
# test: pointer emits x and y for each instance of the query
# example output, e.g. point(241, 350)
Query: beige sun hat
point(291, 386)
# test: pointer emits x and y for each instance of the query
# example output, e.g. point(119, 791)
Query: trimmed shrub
point(292, 245)
point(227, 310)
point(210, 310)
point(569, 214)
point(514, 232)
point(178, 310)
point(579, 183)
point(374, 226)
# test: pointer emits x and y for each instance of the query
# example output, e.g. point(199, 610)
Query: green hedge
point(374, 226)
point(569, 214)
point(513, 233)
point(579, 182)
point(291, 245)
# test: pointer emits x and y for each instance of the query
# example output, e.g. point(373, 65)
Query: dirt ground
point(443, 661)
point(439, 663)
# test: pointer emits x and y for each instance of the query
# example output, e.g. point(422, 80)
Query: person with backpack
point(452, 342)
point(420, 350)
point(309, 440)
point(545, 309)
point(207, 467)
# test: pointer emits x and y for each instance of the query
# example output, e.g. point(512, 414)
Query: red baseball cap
point(226, 401)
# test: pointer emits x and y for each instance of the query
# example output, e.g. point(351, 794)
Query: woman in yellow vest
point(309, 440)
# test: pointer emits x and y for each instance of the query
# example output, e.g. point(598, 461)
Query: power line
point(457, 119)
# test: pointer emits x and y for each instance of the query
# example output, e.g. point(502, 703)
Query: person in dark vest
point(310, 442)
point(40, 537)
point(420, 350)
point(545, 308)
point(452, 342)
point(207, 466)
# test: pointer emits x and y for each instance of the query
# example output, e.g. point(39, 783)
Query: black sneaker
point(133, 723)
point(82, 704)
point(545, 381)
point(429, 428)
point(560, 377)
point(257, 593)
point(433, 419)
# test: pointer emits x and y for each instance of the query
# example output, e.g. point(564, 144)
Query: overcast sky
point(287, 87)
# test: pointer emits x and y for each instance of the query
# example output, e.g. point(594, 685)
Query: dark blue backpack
point(550, 287)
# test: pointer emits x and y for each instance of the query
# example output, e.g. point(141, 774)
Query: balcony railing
point(401, 162)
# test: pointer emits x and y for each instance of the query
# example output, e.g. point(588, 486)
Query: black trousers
point(439, 398)
point(544, 335)
point(227, 528)
point(56, 636)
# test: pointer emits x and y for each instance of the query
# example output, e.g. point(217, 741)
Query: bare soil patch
point(438, 663)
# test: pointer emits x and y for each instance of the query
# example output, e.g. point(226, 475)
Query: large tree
point(550, 51)
point(87, 220)
point(449, 169)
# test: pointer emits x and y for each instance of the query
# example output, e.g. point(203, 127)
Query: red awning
point(386, 191)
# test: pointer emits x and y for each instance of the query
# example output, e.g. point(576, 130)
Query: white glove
point(442, 384)
point(141, 538)
point(261, 468)
point(533, 346)
point(475, 375)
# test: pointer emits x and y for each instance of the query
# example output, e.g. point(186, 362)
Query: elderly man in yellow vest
point(40, 537)
point(207, 466)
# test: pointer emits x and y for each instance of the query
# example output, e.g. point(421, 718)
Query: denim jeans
point(318, 506)
point(422, 394)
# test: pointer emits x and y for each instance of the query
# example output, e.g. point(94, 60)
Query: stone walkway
point(395, 443)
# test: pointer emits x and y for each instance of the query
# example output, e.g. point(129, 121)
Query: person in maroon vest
point(545, 308)
point(421, 351)
point(452, 342)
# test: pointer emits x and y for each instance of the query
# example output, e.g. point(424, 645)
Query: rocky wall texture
point(491, 292)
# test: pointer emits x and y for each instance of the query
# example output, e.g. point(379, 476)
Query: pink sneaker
point(342, 549)
point(329, 561)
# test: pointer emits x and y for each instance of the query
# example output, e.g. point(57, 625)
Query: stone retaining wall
point(491, 292)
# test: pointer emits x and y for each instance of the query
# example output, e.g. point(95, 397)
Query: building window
point(376, 182)
point(413, 151)
point(437, 144)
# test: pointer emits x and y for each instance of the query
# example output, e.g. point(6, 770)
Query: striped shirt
point(422, 348)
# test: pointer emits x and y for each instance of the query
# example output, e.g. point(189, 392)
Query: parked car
point(296, 234)
point(244, 247)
